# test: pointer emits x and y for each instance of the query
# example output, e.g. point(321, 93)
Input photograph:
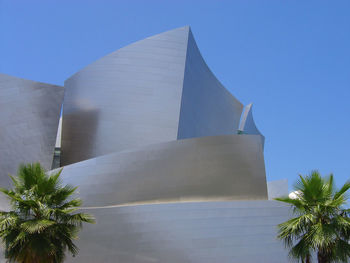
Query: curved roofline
point(132, 43)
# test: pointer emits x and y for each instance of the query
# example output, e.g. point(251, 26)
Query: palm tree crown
point(43, 220)
point(322, 224)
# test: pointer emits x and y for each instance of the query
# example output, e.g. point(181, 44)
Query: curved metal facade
point(155, 143)
point(157, 132)
point(247, 124)
point(126, 99)
point(229, 167)
point(134, 96)
point(29, 118)
point(207, 108)
point(203, 232)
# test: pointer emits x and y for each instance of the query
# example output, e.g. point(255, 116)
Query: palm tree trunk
point(307, 259)
point(321, 257)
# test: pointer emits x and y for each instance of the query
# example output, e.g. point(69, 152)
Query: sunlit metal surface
point(215, 167)
point(29, 115)
point(149, 136)
point(134, 96)
point(204, 232)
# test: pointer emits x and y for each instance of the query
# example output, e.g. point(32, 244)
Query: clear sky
point(290, 58)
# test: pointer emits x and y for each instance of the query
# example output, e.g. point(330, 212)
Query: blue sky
point(290, 58)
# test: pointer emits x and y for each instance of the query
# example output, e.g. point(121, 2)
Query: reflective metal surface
point(278, 188)
point(149, 136)
point(126, 99)
point(207, 108)
point(247, 124)
point(204, 232)
point(132, 97)
point(29, 117)
point(207, 168)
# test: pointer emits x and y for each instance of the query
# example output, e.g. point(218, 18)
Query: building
point(169, 162)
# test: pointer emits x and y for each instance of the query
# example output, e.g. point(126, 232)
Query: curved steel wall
point(29, 118)
point(204, 232)
point(207, 108)
point(207, 168)
point(247, 124)
point(132, 97)
point(150, 123)
point(127, 99)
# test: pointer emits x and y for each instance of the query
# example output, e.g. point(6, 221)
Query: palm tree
point(43, 221)
point(322, 224)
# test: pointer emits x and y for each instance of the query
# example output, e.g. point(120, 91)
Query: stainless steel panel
point(247, 124)
point(150, 123)
point(127, 99)
point(132, 97)
point(277, 188)
point(204, 232)
point(207, 108)
point(29, 115)
point(209, 168)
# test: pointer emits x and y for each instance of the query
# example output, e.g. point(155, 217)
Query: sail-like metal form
point(29, 115)
point(155, 90)
point(247, 124)
point(207, 107)
point(165, 160)
point(162, 156)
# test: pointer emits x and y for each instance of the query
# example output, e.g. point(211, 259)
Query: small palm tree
point(321, 225)
point(43, 222)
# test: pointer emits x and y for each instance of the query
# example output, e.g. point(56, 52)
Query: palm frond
point(321, 223)
point(342, 190)
point(81, 217)
point(43, 222)
point(36, 225)
point(301, 251)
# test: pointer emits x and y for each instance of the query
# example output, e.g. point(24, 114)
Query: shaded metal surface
point(215, 167)
point(29, 118)
point(150, 123)
point(278, 188)
point(132, 97)
point(126, 99)
point(204, 232)
point(207, 107)
point(247, 124)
